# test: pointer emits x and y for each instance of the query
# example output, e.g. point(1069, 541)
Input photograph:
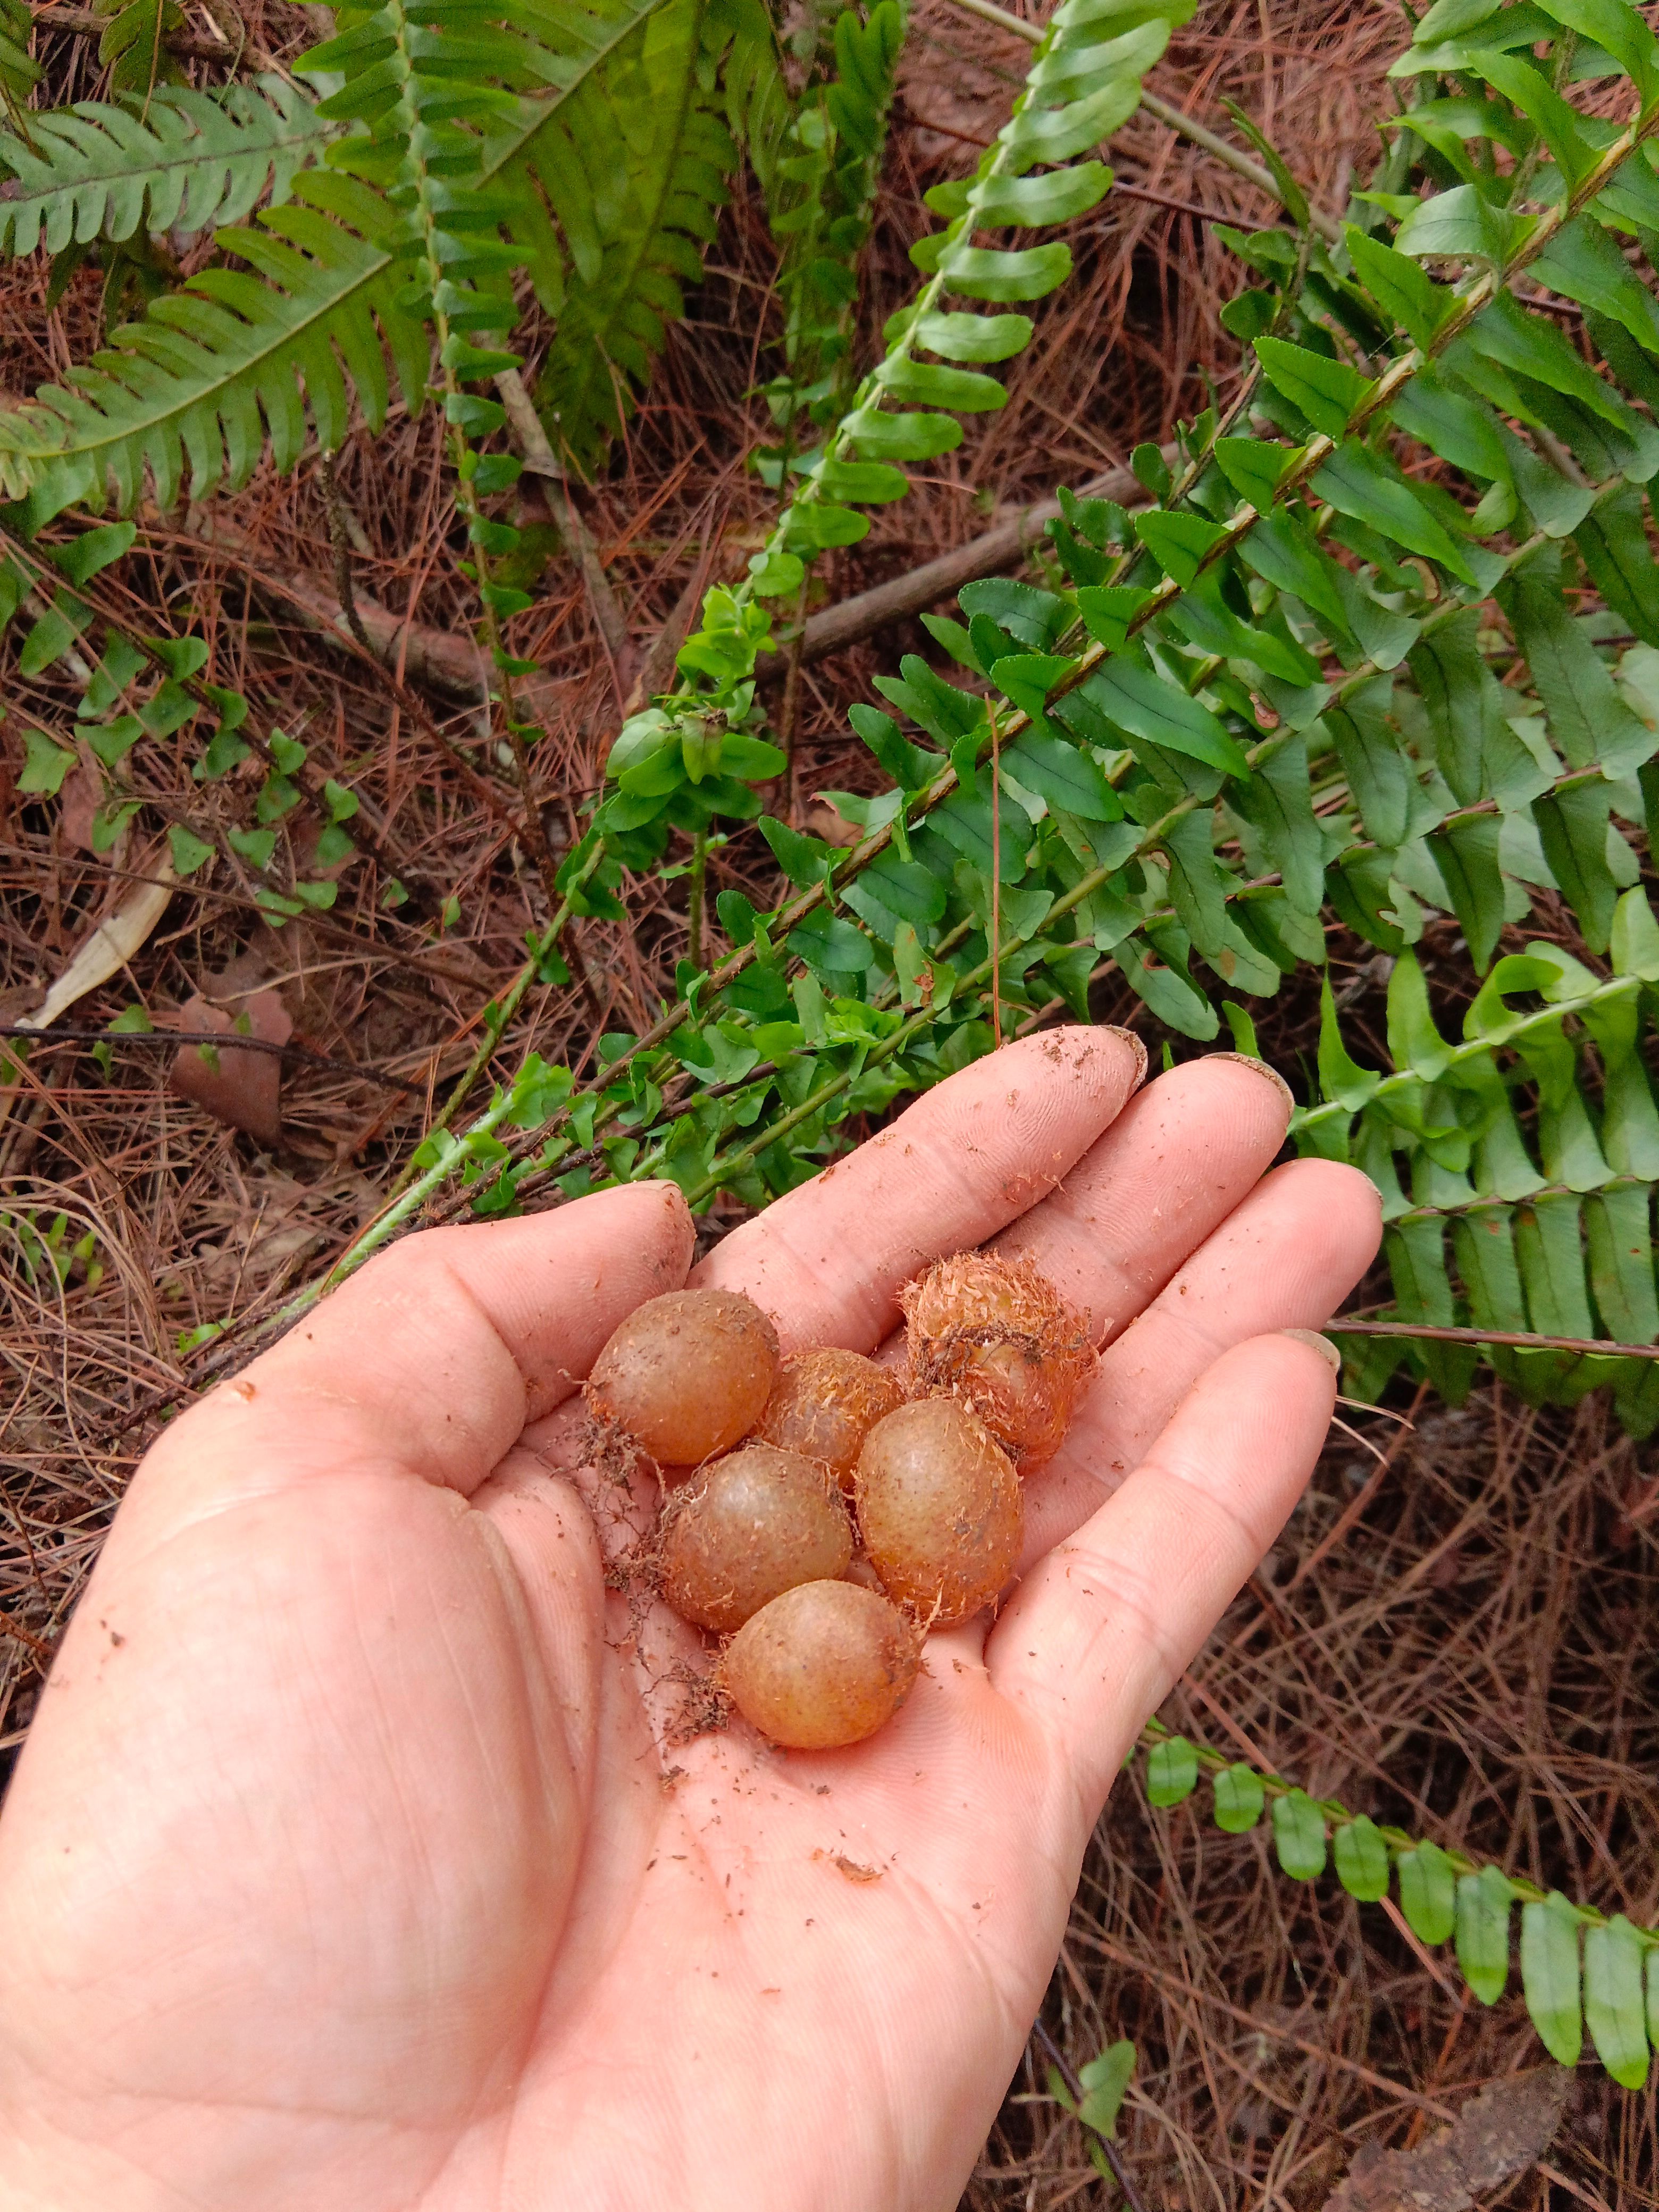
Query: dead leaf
point(1497, 2134)
point(240, 1088)
point(108, 949)
point(823, 822)
point(83, 795)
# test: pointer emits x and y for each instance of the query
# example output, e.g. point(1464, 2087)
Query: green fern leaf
point(133, 45)
point(635, 225)
point(18, 71)
point(193, 390)
point(191, 160)
point(820, 192)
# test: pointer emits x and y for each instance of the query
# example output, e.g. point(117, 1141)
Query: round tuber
point(823, 1665)
point(940, 1509)
point(824, 1405)
point(686, 1374)
point(997, 1334)
point(747, 1527)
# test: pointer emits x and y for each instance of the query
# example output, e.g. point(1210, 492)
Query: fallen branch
point(441, 658)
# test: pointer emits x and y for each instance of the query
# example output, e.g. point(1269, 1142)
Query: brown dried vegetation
point(1474, 1652)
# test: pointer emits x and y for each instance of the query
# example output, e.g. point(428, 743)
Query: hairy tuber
point(997, 1334)
point(824, 1405)
point(686, 1374)
point(939, 1508)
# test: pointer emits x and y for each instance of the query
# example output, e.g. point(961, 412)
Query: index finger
point(827, 1262)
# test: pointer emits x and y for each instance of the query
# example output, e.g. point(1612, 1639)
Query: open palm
point(345, 1868)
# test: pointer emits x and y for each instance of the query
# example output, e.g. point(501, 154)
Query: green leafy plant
point(1095, 2094)
point(98, 170)
point(48, 1252)
point(824, 185)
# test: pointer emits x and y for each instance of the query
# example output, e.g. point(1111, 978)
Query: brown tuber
point(757, 1544)
point(997, 1334)
point(823, 1665)
point(940, 1509)
point(686, 1374)
point(824, 1405)
point(746, 1528)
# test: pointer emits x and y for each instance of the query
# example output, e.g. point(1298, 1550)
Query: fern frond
point(634, 226)
point(1490, 1228)
point(18, 71)
point(97, 170)
point(820, 204)
point(1579, 1967)
point(759, 107)
point(586, 133)
point(193, 389)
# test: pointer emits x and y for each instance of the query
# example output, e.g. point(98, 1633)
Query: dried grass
point(1475, 1654)
point(1474, 1660)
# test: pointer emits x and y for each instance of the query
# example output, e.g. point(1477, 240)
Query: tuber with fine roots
point(824, 1405)
point(996, 1333)
point(824, 1610)
point(940, 1509)
point(746, 1528)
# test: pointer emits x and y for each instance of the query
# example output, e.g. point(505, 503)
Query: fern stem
point(693, 887)
point(1076, 2091)
point(1177, 119)
point(996, 881)
point(1458, 1055)
point(1518, 1340)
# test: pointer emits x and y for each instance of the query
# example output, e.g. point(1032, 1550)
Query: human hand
point(344, 1871)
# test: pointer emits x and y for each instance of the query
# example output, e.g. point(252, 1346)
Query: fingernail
point(1322, 1345)
point(1129, 1037)
point(1250, 1059)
